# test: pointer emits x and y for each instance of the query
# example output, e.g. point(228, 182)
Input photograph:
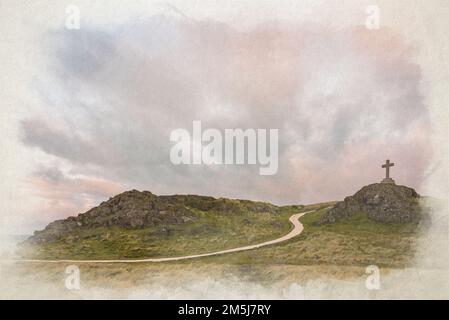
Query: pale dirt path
point(297, 229)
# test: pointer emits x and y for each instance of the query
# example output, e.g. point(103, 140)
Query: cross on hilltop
point(387, 166)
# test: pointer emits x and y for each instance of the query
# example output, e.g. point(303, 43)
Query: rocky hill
point(135, 210)
point(381, 202)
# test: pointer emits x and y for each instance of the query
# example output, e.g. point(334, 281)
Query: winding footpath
point(297, 229)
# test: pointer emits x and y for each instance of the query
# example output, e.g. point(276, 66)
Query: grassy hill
point(355, 241)
point(352, 241)
point(140, 224)
point(211, 231)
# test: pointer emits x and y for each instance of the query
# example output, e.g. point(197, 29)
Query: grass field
point(356, 241)
point(211, 231)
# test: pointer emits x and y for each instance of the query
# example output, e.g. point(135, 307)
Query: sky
point(87, 113)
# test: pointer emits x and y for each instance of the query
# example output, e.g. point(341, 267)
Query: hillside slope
point(142, 225)
point(138, 224)
point(136, 210)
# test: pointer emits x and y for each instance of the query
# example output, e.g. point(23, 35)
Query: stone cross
point(387, 166)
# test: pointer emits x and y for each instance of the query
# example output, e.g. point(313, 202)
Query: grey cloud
point(126, 87)
point(83, 52)
point(58, 142)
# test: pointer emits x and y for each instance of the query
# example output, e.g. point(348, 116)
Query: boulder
point(381, 202)
point(135, 209)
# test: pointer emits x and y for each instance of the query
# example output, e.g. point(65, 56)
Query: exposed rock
point(381, 202)
point(135, 209)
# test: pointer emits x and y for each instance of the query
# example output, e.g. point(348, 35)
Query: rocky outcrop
point(381, 202)
point(135, 209)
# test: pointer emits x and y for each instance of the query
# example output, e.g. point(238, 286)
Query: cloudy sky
point(88, 113)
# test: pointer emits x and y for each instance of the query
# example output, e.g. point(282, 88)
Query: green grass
point(356, 241)
point(211, 231)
